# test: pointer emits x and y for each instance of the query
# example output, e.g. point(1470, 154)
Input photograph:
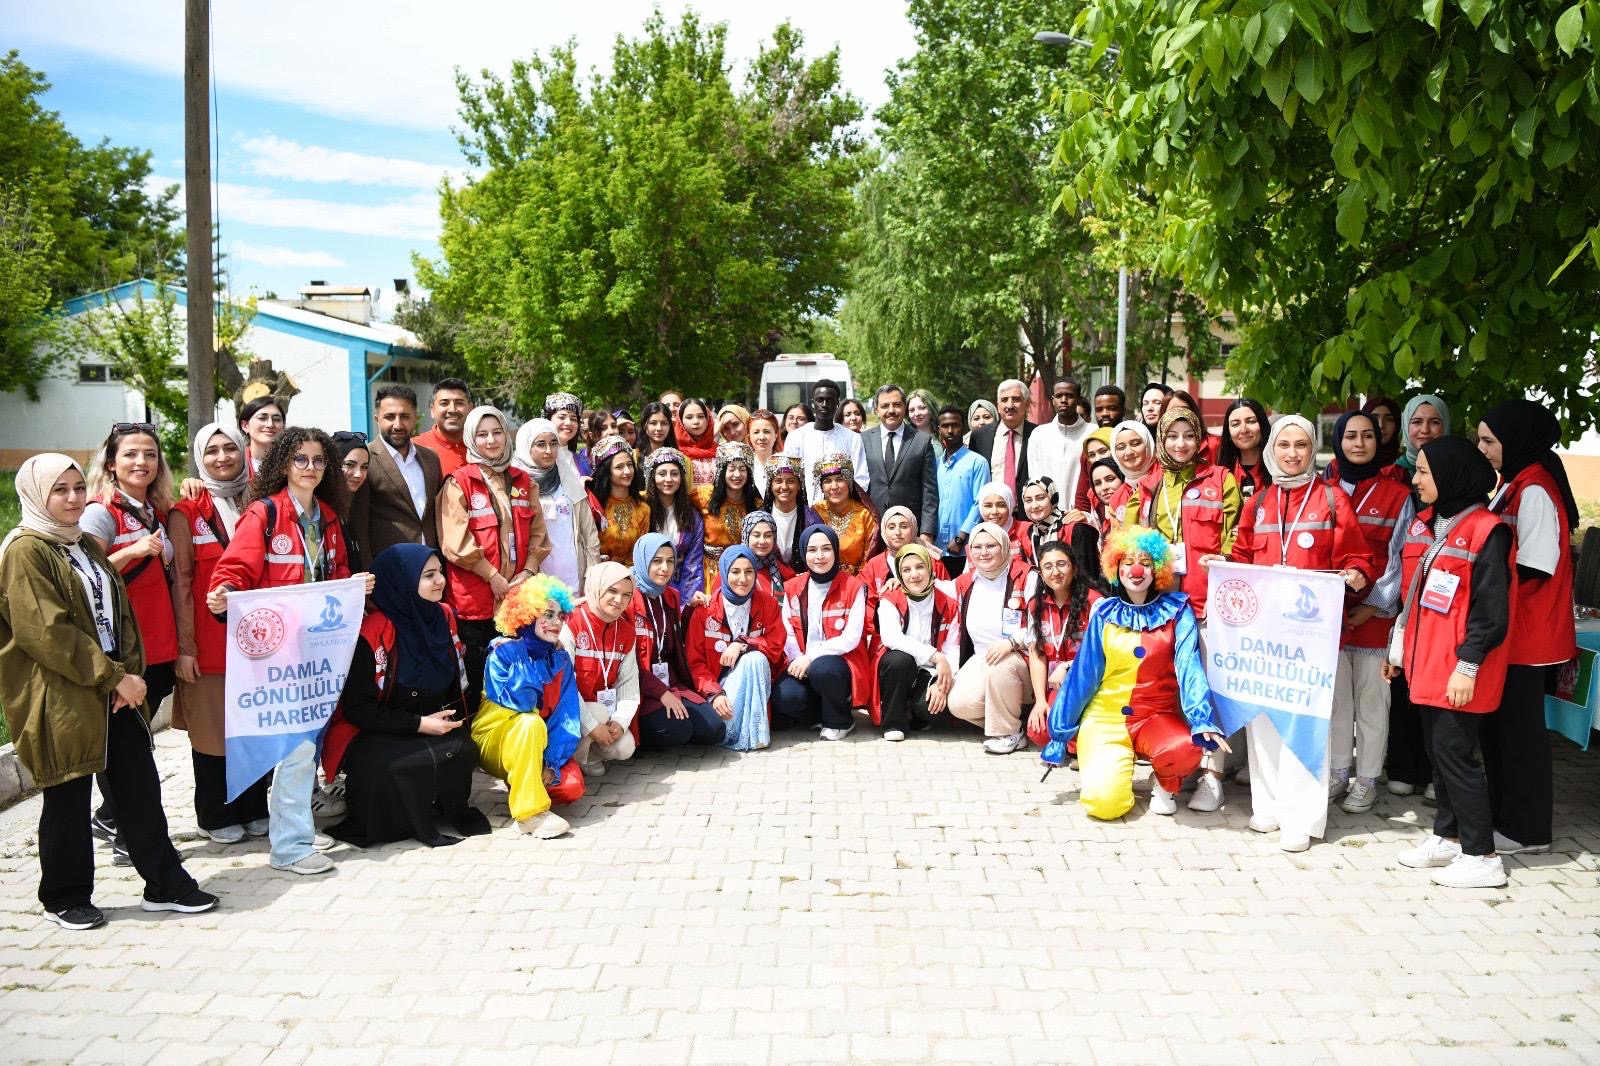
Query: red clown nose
point(1136, 572)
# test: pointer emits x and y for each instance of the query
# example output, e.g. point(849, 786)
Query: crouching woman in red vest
point(919, 631)
point(528, 726)
point(491, 533)
point(825, 610)
point(1450, 639)
point(599, 635)
point(397, 733)
point(735, 645)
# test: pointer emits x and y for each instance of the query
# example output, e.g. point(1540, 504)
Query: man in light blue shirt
point(962, 474)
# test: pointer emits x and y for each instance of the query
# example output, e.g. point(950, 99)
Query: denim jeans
point(291, 828)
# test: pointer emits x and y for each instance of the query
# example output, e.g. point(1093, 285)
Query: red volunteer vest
point(149, 589)
point(707, 635)
point(210, 538)
point(1056, 644)
point(645, 616)
point(1377, 503)
point(1545, 632)
point(259, 557)
point(1200, 516)
point(1321, 535)
point(835, 611)
point(1432, 636)
point(946, 620)
point(468, 593)
point(598, 649)
point(1015, 597)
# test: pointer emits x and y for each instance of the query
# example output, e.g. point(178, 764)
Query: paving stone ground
point(855, 902)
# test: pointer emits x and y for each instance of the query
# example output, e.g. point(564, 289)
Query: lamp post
point(1063, 40)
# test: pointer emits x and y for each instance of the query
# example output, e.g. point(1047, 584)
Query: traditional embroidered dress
point(854, 522)
point(621, 522)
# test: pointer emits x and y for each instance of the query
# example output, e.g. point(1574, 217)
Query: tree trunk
point(197, 214)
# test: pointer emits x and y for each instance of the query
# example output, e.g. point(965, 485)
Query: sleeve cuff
point(1466, 668)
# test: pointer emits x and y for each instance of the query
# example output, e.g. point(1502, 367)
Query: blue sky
point(333, 121)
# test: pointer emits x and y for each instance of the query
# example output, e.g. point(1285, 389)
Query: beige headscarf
point(35, 478)
point(1001, 538)
point(226, 494)
point(601, 576)
point(470, 430)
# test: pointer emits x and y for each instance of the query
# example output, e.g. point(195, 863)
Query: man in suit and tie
point(402, 480)
point(900, 463)
point(1004, 444)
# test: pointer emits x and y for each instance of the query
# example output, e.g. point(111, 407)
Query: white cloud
point(271, 255)
point(275, 157)
point(393, 64)
point(412, 218)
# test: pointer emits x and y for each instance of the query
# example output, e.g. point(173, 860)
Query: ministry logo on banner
point(289, 650)
point(1272, 648)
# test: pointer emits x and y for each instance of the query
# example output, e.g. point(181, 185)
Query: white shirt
point(984, 618)
point(1538, 529)
point(737, 616)
point(811, 445)
point(1054, 451)
point(785, 521)
point(562, 562)
point(997, 455)
point(411, 469)
point(98, 592)
point(817, 643)
point(916, 637)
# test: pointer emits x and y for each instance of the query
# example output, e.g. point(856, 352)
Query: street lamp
point(1063, 40)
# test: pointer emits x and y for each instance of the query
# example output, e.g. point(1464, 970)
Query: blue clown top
point(520, 674)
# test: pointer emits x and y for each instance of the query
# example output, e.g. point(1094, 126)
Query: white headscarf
point(1132, 426)
point(470, 430)
point(566, 465)
point(36, 476)
point(225, 494)
point(1290, 481)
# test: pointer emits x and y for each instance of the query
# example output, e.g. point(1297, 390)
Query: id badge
point(1010, 622)
point(1180, 558)
point(659, 669)
point(1439, 590)
point(607, 698)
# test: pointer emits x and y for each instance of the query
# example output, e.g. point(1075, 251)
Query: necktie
point(1011, 458)
point(888, 450)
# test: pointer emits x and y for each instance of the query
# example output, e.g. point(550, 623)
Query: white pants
point(592, 717)
point(1360, 714)
point(1281, 788)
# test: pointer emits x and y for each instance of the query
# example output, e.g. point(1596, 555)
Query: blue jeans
point(290, 827)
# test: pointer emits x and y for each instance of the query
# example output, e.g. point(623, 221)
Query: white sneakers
point(1006, 745)
point(228, 834)
point(1293, 841)
point(1162, 801)
point(328, 800)
point(315, 863)
point(1401, 788)
point(1472, 871)
point(1504, 845)
point(1338, 783)
point(1434, 851)
point(546, 825)
point(595, 769)
point(1362, 796)
point(1262, 824)
point(830, 733)
point(1207, 793)
point(894, 735)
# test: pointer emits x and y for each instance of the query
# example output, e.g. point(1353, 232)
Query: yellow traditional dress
point(857, 529)
point(621, 523)
point(723, 529)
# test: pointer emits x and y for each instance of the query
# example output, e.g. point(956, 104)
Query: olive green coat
point(55, 682)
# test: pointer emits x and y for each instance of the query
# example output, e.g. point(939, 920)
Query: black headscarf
point(805, 541)
point(424, 654)
point(1528, 432)
point(1388, 451)
point(1460, 473)
point(1342, 468)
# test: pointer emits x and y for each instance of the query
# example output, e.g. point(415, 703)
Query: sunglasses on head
point(120, 428)
point(349, 436)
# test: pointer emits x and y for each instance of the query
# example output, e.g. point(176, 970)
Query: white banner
point(289, 650)
point(1272, 647)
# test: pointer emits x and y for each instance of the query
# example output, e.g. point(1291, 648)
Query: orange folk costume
point(855, 523)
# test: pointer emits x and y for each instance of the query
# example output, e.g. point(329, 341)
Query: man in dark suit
point(402, 480)
point(1004, 444)
point(900, 463)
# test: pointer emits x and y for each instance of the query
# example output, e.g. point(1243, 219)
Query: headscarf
point(644, 550)
point(1343, 468)
point(1047, 527)
point(470, 430)
point(1269, 455)
point(768, 563)
point(1528, 432)
point(919, 549)
point(994, 412)
point(1133, 425)
point(735, 451)
point(36, 476)
point(731, 409)
point(1173, 416)
point(225, 493)
point(601, 576)
point(1005, 548)
point(725, 563)
point(1110, 464)
point(1389, 451)
point(424, 652)
point(607, 448)
point(547, 480)
point(1002, 490)
point(1102, 434)
point(1409, 459)
point(522, 607)
point(1461, 474)
point(883, 520)
point(805, 542)
point(705, 445)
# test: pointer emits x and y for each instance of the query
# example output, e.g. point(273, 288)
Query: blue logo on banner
point(1305, 607)
point(332, 618)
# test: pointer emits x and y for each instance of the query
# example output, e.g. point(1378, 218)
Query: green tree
point(25, 254)
point(967, 271)
point(1386, 193)
point(656, 227)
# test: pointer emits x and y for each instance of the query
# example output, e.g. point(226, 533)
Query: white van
point(787, 379)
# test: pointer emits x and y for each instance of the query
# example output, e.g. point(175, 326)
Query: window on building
point(97, 374)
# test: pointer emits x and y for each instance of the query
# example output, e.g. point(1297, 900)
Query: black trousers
point(66, 848)
point(1407, 759)
point(659, 731)
point(1516, 757)
point(211, 807)
point(476, 636)
point(903, 692)
point(823, 697)
point(1458, 779)
point(159, 681)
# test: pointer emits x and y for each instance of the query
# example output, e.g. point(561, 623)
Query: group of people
point(549, 598)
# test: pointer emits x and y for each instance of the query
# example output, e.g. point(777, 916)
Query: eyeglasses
point(120, 428)
point(303, 462)
point(349, 436)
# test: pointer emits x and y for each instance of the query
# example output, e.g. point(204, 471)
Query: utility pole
point(202, 353)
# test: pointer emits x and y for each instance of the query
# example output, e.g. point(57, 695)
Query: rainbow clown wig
point(1132, 540)
point(525, 603)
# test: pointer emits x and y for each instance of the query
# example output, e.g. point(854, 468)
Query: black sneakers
point(194, 902)
point(83, 916)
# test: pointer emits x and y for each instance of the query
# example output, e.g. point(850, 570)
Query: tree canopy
point(1389, 194)
point(656, 227)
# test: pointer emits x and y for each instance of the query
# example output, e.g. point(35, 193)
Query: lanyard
point(1057, 639)
point(1176, 520)
point(1283, 534)
point(607, 681)
point(95, 581)
point(310, 545)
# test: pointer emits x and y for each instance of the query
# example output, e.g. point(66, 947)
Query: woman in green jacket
point(70, 659)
